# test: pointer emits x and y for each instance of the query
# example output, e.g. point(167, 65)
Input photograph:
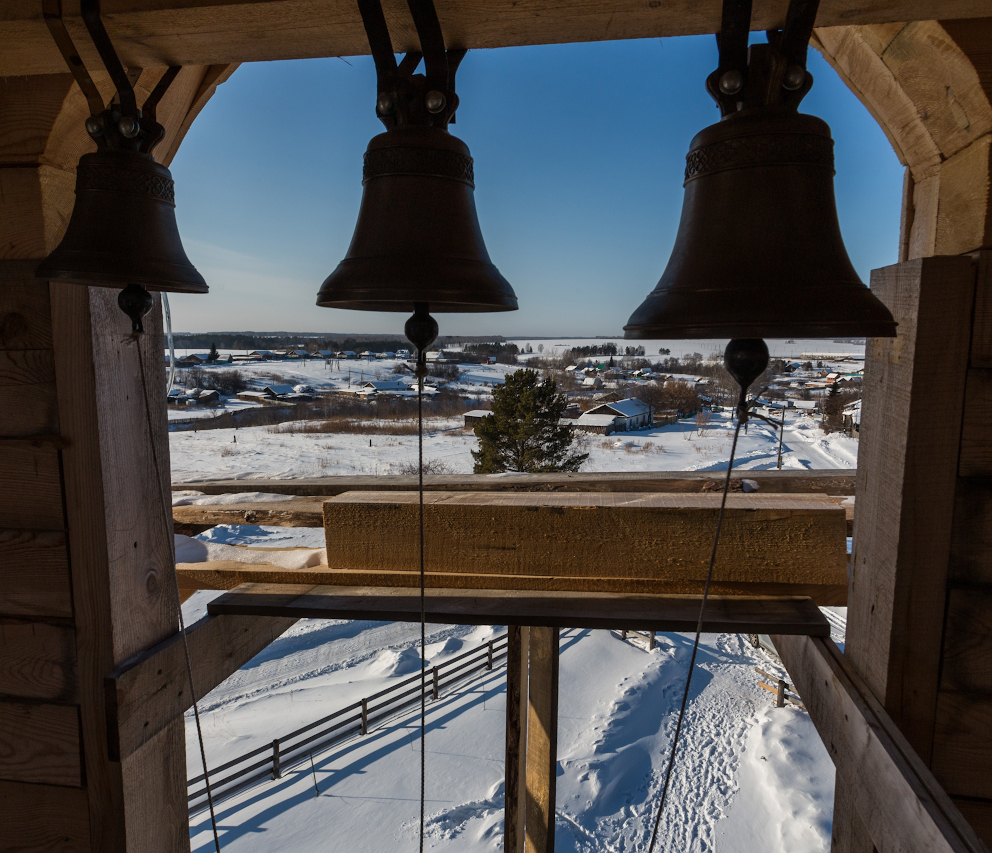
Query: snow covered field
point(749, 776)
point(272, 452)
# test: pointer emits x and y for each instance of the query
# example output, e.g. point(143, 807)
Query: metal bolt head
point(385, 104)
point(435, 101)
point(128, 127)
point(795, 76)
point(94, 127)
point(731, 82)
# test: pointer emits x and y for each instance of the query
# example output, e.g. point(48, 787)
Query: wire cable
point(695, 644)
point(423, 611)
point(167, 515)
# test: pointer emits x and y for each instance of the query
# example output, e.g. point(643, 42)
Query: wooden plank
point(979, 814)
point(38, 661)
point(765, 538)
point(967, 661)
point(149, 692)
point(27, 393)
point(901, 803)
point(976, 436)
point(151, 34)
point(40, 743)
point(907, 472)
point(542, 740)
point(303, 512)
point(30, 485)
point(25, 310)
point(517, 705)
point(505, 607)
point(981, 337)
point(971, 544)
point(43, 818)
point(828, 482)
point(228, 574)
point(34, 574)
point(962, 753)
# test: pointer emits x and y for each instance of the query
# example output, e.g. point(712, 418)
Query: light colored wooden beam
point(157, 33)
point(542, 741)
point(900, 802)
point(150, 691)
point(765, 538)
point(228, 574)
point(733, 614)
point(826, 482)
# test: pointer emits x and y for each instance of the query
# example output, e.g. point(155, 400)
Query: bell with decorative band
point(123, 228)
point(758, 253)
point(418, 238)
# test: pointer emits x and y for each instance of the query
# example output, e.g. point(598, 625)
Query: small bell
point(123, 228)
point(418, 238)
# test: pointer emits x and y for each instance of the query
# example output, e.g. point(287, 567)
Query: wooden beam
point(827, 482)
point(40, 818)
point(542, 741)
point(228, 574)
point(40, 743)
point(303, 512)
point(515, 768)
point(30, 484)
point(507, 607)
point(150, 691)
point(899, 800)
point(34, 574)
point(155, 33)
point(38, 661)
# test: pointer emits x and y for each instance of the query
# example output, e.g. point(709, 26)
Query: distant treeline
point(275, 341)
point(606, 349)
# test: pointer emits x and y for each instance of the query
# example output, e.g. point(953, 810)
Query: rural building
point(603, 424)
point(264, 355)
point(297, 353)
point(476, 415)
point(592, 382)
point(627, 414)
point(390, 386)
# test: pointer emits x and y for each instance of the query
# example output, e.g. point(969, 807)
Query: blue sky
point(579, 152)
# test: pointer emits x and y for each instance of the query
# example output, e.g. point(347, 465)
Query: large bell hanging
point(418, 238)
point(759, 252)
point(123, 228)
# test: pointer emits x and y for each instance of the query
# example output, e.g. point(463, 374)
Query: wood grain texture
point(967, 660)
point(981, 335)
point(155, 33)
point(38, 661)
point(735, 614)
point(907, 471)
point(963, 217)
point(971, 545)
point(148, 693)
point(828, 482)
point(901, 803)
point(30, 485)
point(765, 538)
point(27, 393)
point(979, 814)
point(962, 750)
point(515, 766)
point(40, 743)
point(34, 574)
point(25, 311)
point(976, 436)
point(229, 574)
point(43, 819)
point(542, 741)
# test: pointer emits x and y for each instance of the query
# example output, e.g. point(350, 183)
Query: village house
point(476, 415)
point(600, 424)
point(627, 414)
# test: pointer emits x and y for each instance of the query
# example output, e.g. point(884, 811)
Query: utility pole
point(781, 433)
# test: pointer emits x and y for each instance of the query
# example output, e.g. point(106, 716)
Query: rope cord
point(695, 644)
point(423, 611)
point(167, 515)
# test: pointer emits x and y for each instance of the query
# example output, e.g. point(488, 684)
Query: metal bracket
point(405, 98)
point(765, 75)
point(120, 124)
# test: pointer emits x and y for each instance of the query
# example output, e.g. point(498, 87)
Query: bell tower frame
point(84, 580)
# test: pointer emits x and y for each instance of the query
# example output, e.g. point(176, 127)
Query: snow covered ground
point(748, 776)
point(274, 452)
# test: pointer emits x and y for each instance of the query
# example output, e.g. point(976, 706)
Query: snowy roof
point(628, 408)
point(596, 420)
point(325, 352)
point(267, 353)
point(478, 413)
point(393, 385)
point(278, 390)
point(805, 404)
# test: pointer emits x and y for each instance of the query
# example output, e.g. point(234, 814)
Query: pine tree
point(213, 355)
point(524, 433)
point(833, 412)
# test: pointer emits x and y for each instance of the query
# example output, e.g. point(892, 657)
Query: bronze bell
point(417, 237)
point(123, 228)
point(759, 252)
